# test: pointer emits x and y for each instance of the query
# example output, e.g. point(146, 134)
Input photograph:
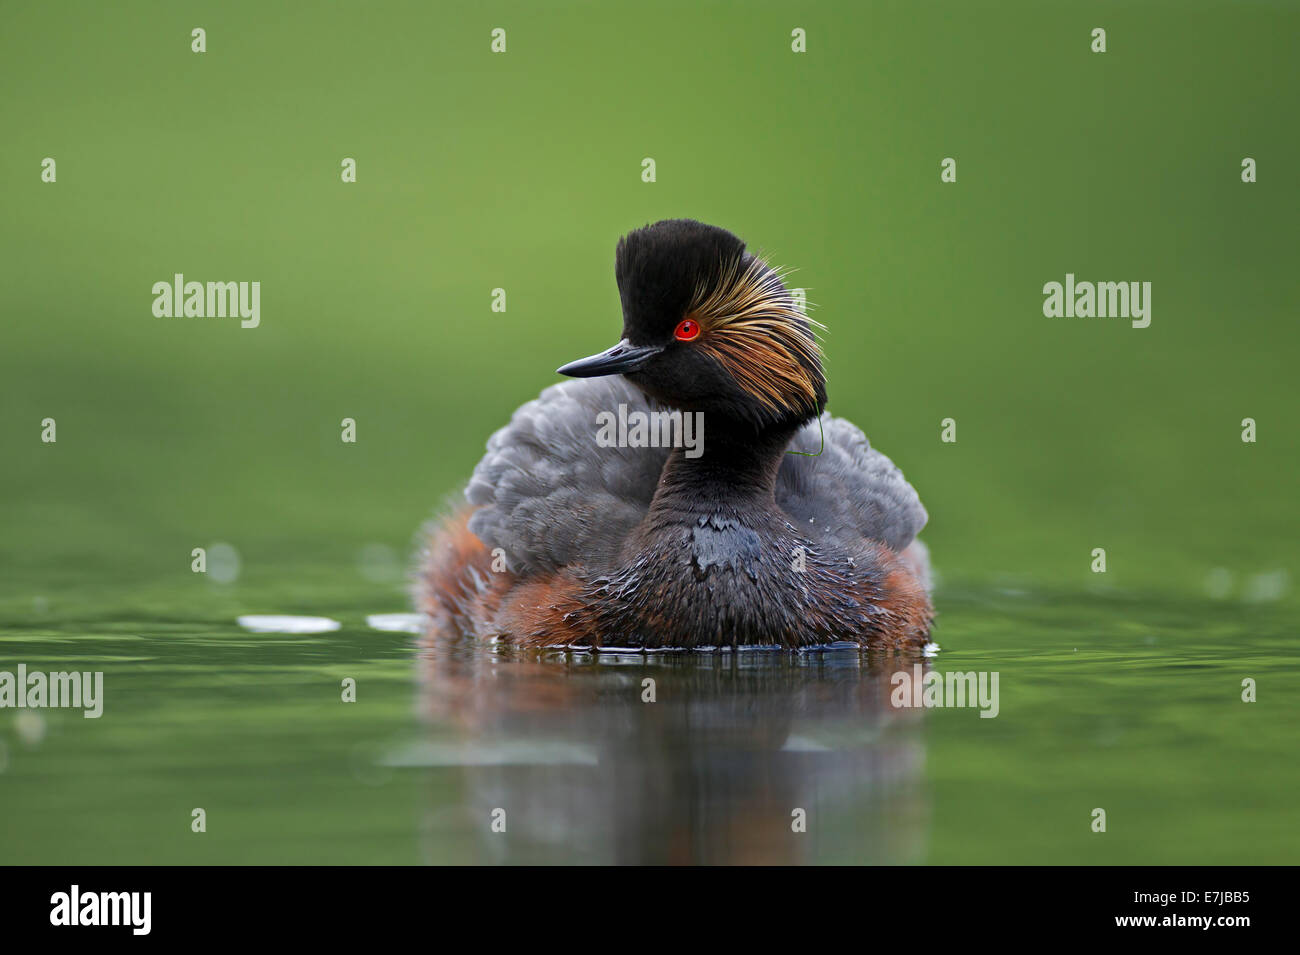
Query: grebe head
point(708, 326)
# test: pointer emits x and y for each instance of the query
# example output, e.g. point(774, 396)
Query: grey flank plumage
point(550, 496)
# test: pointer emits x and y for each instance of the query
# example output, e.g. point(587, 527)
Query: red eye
point(688, 329)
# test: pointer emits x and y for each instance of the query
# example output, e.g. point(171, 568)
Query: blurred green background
point(520, 171)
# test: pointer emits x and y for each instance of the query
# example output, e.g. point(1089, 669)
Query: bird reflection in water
point(760, 757)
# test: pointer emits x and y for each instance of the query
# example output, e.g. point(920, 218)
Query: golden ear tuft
point(754, 329)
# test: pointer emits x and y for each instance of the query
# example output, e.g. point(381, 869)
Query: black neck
point(737, 469)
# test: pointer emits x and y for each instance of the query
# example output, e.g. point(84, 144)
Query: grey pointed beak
point(619, 360)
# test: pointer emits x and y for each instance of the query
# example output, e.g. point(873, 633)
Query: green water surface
point(1119, 690)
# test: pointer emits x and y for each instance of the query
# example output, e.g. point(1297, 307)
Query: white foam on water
point(276, 623)
point(397, 622)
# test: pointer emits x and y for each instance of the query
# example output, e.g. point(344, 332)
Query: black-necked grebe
point(578, 534)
